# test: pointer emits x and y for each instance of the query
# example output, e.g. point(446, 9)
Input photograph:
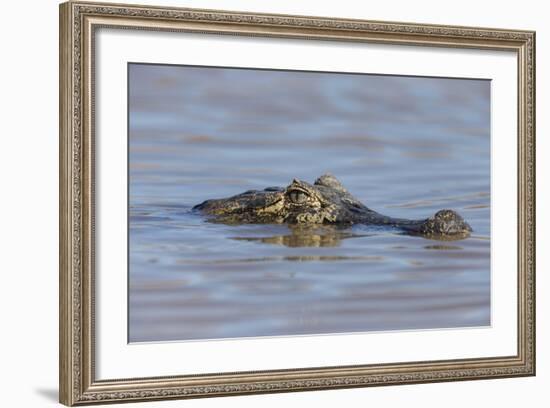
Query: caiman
point(326, 201)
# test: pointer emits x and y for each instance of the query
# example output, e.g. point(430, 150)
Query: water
point(406, 147)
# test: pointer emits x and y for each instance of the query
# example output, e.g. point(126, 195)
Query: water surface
point(405, 146)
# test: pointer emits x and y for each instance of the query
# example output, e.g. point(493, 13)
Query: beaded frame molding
point(78, 22)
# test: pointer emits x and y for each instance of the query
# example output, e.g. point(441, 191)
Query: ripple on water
point(191, 279)
point(204, 280)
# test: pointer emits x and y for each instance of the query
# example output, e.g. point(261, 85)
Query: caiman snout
point(247, 201)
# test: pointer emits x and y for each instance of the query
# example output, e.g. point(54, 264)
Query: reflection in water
point(307, 236)
point(200, 280)
point(288, 258)
point(443, 247)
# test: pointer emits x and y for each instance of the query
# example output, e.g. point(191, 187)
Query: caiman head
point(324, 202)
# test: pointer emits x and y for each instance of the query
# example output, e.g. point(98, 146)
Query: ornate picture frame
point(79, 22)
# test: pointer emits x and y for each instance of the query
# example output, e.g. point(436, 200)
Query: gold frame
point(78, 22)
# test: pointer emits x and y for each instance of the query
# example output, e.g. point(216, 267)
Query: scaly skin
point(325, 202)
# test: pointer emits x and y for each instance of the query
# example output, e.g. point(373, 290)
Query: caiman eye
point(297, 196)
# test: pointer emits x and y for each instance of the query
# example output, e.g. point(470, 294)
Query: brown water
point(406, 147)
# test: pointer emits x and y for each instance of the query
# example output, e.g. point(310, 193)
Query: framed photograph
point(256, 203)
